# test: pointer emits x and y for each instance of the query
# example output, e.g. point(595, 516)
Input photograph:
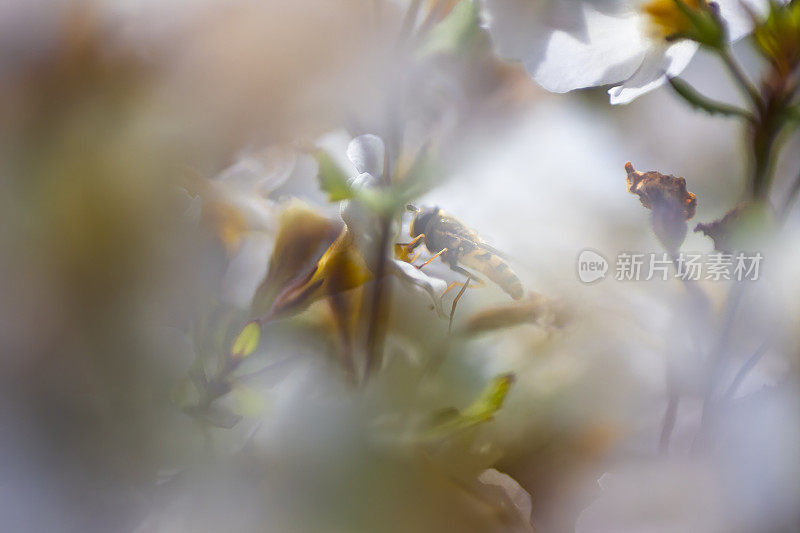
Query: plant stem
point(763, 134)
point(717, 358)
point(740, 77)
point(746, 368)
point(791, 196)
point(378, 306)
point(670, 416)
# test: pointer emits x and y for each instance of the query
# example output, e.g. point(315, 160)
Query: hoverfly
point(448, 238)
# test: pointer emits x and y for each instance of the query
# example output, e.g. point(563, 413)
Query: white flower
point(366, 153)
point(571, 44)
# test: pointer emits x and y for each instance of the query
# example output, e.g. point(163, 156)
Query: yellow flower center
point(666, 18)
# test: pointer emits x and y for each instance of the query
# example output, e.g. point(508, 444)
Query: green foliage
point(698, 101)
point(778, 37)
point(332, 179)
point(705, 25)
point(450, 421)
point(247, 341)
point(458, 33)
point(491, 399)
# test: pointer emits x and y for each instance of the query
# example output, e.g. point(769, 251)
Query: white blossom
point(571, 44)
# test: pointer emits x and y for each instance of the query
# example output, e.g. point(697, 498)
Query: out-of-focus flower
point(666, 196)
point(568, 45)
point(778, 38)
point(292, 283)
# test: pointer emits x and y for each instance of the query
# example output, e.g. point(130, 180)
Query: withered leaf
point(666, 196)
point(659, 191)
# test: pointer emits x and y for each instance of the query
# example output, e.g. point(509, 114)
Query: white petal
point(571, 45)
point(358, 217)
point(366, 152)
point(517, 27)
point(610, 51)
point(736, 15)
point(519, 497)
point(262, 171)
point(652, 73)
point(362, 221)
point(411, 275)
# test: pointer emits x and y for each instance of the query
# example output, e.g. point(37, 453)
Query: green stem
point(704, 103)
point(741, 78)
point(763, 142)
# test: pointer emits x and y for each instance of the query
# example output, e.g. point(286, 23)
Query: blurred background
point(147, 153)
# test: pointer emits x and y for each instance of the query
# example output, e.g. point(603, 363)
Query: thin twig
point(718, 354)
point(670, 416)
point(748, 365)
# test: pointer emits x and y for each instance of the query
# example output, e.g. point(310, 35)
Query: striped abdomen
point(495, 268)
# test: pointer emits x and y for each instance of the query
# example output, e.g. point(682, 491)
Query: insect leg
point(414, 243)
point(471, 278)
point(458, 270)
point(478, 284)
point(403, 249)
point(437, 254)
point(455, 303)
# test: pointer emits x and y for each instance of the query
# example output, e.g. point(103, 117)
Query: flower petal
point(572, 46)
point(737, 17)
point(366, 153)
point(358, 217)
point(611, 51)
point(411, 275)
point(658, 64)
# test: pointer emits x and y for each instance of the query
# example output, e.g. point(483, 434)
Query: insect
point(448, 238)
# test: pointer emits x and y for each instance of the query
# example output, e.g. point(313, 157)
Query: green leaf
point(458, 32)
point(698, 101)
point(332, 179)
point(448, 421)
point(793, 113)
point(706, 27)
point(247, 341)
point(777, 37)
point(491, 399)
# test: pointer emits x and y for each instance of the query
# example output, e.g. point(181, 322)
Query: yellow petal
point(302, 237)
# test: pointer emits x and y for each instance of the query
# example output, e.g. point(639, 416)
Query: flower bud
point(666, 196)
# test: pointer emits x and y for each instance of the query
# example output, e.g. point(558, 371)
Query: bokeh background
point(146, 152)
